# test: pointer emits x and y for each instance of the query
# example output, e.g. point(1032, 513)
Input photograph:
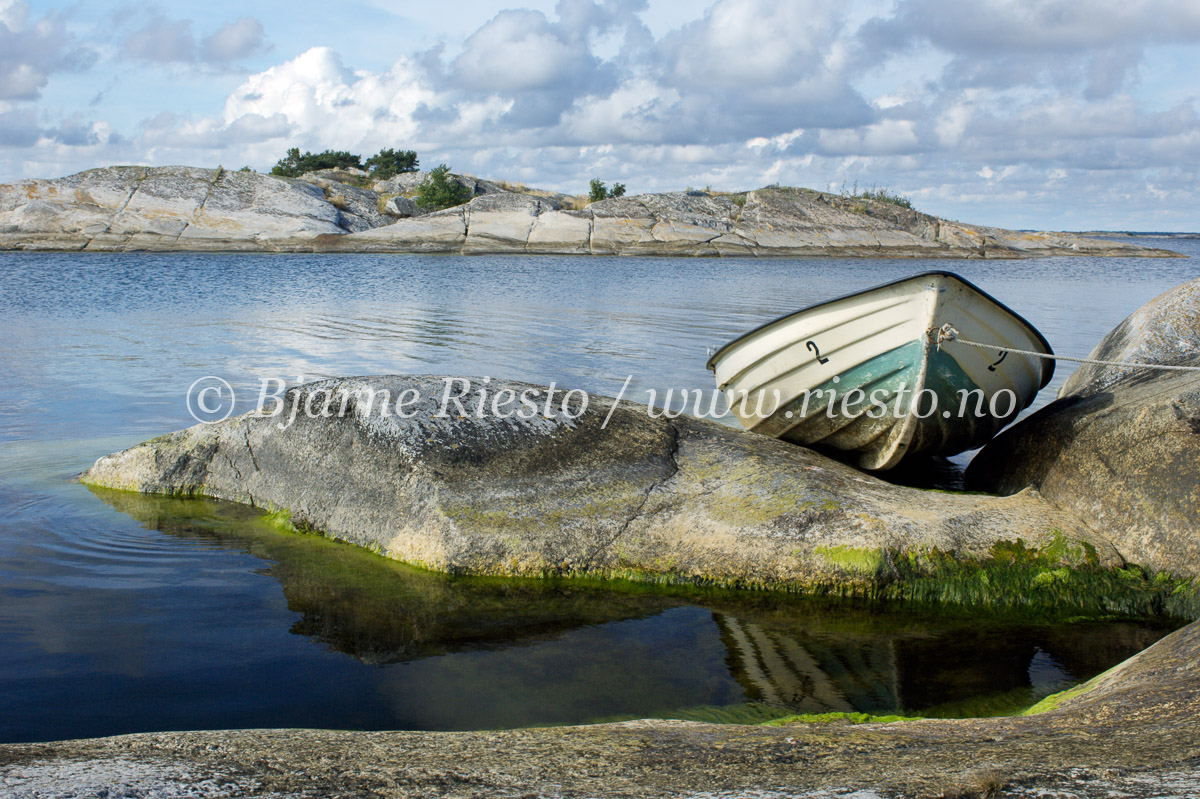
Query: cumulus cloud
point(745, 69)
point(326, 101)
point(518, 51)
point(33, 49)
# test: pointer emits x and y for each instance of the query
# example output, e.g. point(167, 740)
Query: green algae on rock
point(650, 499)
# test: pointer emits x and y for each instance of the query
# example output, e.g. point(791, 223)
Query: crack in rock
point(672, 453)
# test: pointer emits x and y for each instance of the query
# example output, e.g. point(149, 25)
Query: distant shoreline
point(190, 209)
point(1139, 234)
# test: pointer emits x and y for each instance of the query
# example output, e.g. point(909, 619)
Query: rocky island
point(179, 208)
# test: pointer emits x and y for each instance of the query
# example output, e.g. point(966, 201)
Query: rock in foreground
point(185, 208)
point(1121, 447)
point(681, 500)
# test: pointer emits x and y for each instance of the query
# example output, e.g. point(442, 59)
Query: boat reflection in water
point(423, 650)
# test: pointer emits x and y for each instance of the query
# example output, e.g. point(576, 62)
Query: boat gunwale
point(1047, 374)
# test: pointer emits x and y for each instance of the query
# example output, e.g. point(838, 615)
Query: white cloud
point(32, 50)
point(329, 105)
point(233, 41)
point(518, 51)
point(748, 43)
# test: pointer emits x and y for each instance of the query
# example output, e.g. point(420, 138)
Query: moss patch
point(280, 519)
point(1054, 700)
point(826, 718)
point(860, 560)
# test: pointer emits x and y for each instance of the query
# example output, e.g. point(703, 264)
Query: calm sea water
point(120, 614)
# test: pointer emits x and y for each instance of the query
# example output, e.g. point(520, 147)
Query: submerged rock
point(561, 493)
point(1121, 447)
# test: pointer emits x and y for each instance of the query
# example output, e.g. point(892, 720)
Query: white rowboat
point(866, 374)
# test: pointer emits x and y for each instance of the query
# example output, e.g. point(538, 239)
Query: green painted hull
point(890, 407)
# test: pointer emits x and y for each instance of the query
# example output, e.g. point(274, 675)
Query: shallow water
point(120, 614)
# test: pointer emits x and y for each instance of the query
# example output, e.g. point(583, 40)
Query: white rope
point(948, 333)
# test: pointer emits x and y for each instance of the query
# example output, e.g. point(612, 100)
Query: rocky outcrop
point(178, 208)
point(1121, 447)
point(441, 231)
point(402, 207)
point(181, 208)
point(772, 221)
point(407, 183)
point(1131, 732)
point(361, 206)
point(680, 500)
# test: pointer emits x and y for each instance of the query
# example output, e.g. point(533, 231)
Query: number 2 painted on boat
point(1003, 355)
point(812, 345)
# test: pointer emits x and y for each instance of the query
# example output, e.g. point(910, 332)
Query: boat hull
point(865, 375)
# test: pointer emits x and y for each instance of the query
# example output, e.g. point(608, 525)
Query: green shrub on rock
point(597, 191)
point(388, 163)
point(441, 190)
point(293, 165)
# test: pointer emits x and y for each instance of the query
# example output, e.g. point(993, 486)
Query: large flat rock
point(168, 208)
point(682, 500)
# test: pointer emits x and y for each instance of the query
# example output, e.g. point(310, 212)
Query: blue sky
point(1021, 113)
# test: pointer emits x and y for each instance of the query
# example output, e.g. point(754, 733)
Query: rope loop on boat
point(946, 333)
